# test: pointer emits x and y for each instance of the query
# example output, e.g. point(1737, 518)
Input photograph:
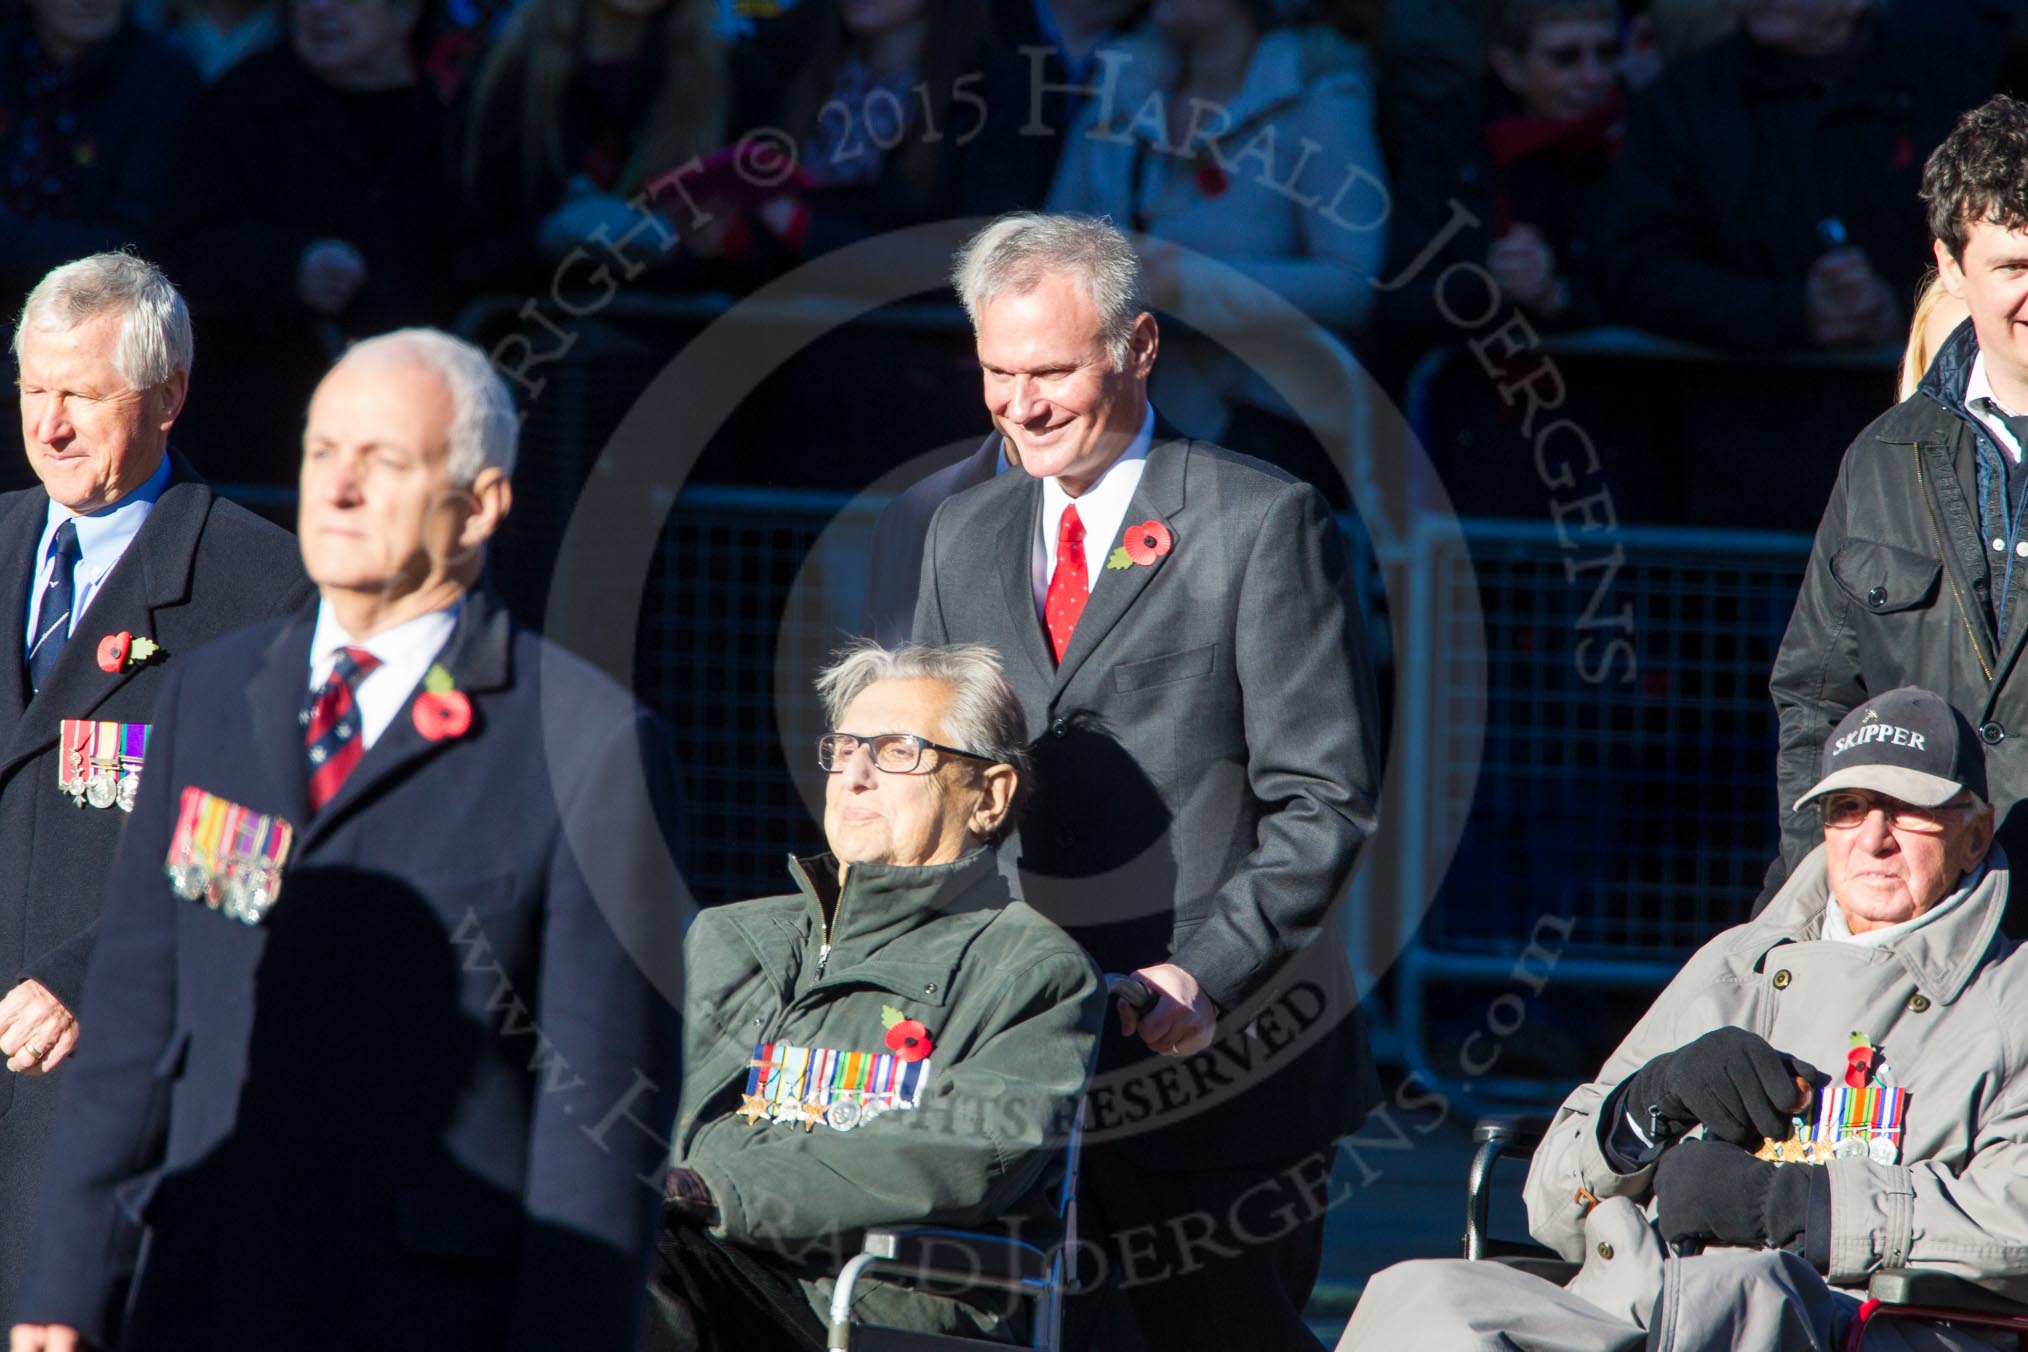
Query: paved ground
point(1402, 1180)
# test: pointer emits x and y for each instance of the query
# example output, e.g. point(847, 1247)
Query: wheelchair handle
point(1137, 994)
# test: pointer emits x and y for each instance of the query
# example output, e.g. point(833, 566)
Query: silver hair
point(484, 430)
point(1017, 251)
point(984, 718)
point(154, 341)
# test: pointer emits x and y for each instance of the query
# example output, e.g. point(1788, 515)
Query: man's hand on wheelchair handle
point(1182, 1019)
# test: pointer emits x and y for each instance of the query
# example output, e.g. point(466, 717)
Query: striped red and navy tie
point(331, 725)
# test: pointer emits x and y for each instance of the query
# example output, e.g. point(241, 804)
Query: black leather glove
point(1732, 1081)
point(1716, 1193)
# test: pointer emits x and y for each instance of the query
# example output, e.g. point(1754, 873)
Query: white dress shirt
point(1982, 404)
point(1102, 508)
point(1985, 406)
point(102, 537)
point(405, 652)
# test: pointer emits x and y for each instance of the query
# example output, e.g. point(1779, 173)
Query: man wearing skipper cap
point(1880, 959)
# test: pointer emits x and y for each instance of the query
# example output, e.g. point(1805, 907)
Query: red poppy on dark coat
point(113, 650)
point(438, 716)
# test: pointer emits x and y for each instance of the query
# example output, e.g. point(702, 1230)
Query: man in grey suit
point(1179, 625)
point(894, 563)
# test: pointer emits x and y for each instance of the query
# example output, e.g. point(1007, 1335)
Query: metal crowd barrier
point(754, 589)
point(1621, 807)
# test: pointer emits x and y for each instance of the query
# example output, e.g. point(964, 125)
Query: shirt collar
point(104, 535)
point(1111, 490)
point(1978, 386)
point(425, 634)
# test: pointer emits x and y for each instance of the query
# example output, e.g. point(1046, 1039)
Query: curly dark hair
point(1979, 173)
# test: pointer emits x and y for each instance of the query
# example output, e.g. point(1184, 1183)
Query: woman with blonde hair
point(579, 105)
point(1937, 315)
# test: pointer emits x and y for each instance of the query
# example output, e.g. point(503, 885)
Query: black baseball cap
point(1908, 744)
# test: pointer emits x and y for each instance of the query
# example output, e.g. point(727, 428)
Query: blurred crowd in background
point(1737, 175)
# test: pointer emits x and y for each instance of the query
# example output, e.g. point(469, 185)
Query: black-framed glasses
point(1843, 811)
point(897, 753)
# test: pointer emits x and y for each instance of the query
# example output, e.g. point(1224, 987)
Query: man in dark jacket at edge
point(1920, 563)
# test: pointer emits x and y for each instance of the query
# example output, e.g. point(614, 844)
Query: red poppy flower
point(447, 61)
point(438, 716)
point(1858, 1066)
point(1211, 179)
point(113, 649)
point(1147, 542)
point(909, 1040)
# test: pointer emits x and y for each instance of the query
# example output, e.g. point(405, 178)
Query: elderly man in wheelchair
point(1831, 1089)
point(897, 1042)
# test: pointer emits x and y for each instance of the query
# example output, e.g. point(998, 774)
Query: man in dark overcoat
point(372, 1054)
point(118, 565)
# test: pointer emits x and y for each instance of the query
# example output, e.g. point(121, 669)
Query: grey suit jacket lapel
point(1158, 497)
point(1014, 557)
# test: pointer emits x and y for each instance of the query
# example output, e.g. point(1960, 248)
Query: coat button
point(1992, 734)
point(1782, 979)
point(1877, 597)
point(1605, 1251)
point(930, 988)
point(1918, 1002)
point(1058, 728)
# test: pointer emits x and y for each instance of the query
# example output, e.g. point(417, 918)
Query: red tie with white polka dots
point(1069, 586)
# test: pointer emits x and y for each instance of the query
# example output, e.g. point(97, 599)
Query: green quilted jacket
point(967, 1135)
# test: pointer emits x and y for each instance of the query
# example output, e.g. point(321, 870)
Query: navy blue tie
point(52, 622)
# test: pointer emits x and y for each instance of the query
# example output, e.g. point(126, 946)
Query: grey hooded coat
point(1946, 1004)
